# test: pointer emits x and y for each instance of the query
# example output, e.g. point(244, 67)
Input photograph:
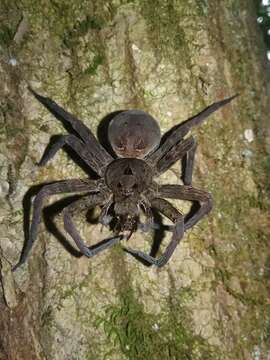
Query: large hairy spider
point(126, 185)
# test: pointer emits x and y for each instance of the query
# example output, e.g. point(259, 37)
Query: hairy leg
point(94, 147)
point(183, 150)
point(66, 186)
point(179, 131)
point(178, 230)
point(189, 193)
point(86, 203)
point(77, 145)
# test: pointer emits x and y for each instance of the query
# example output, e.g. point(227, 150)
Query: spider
point(126, 185)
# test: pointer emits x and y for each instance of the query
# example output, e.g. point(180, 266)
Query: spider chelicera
point(126, 185)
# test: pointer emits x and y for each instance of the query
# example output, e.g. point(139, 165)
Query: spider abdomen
point(134, 134)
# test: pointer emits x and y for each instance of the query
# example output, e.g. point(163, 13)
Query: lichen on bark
point(170, 58)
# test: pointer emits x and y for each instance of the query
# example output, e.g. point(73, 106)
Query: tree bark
point(171, 59)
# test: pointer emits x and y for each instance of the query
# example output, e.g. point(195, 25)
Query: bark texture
point(171, 59)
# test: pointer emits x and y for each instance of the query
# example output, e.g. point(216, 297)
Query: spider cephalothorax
point(126, 186)
point(128, 179)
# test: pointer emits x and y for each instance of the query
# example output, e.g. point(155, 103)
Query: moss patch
point(92, 68)
point(167, 335)
point(6, 36)
point(81, 28)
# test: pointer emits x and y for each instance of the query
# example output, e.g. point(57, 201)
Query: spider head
point(133, 134)
point(128, 178)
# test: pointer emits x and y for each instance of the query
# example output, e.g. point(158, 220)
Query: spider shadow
point(159, 233)
point(158, 236)
point(49, 212)
point(102, 131)
point(193, 209)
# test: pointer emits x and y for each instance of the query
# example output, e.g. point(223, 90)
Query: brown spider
point(126, 185)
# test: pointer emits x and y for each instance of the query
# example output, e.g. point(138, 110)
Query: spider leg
point(188, 164)
point(183, 150)
point(66, 186)
point(77, 145)
point(94, 147)
point(179, 131)
point(190, 193)
point(178, 230)
point(149, 224)
point(87, 202)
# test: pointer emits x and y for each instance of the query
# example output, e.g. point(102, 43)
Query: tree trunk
point(171, 59)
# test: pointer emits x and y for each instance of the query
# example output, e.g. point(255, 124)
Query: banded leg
point(191, 194)
point(86, 203)
point(66, 186)
point(178, 230)
point(77, 145)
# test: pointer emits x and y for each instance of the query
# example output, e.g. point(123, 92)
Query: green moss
point(81, 28)
point(202, 7)
point(88, 23)
point(261, 174)
point(92, 68)
point(242, 240)
point(140, 335)
point(164, 26)
point(6, 36)
point(47, 316)
point(266, 164)
point(168, 29)
point(74, 289)
point(266, 324)
point(10, 18)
